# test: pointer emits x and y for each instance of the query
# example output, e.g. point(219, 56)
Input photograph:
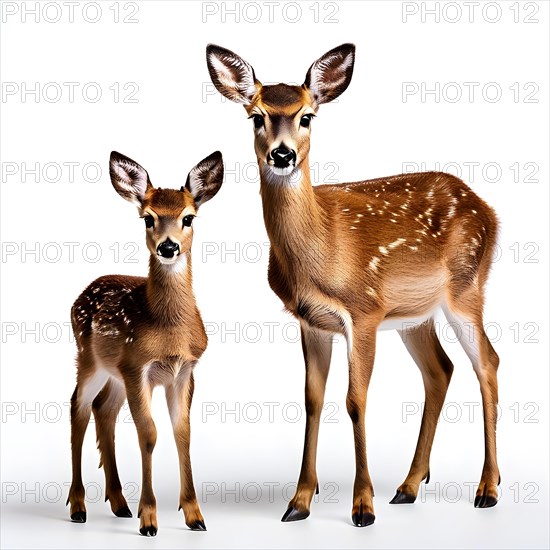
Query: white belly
point(406, 323)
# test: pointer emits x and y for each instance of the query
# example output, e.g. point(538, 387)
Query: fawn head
point(281, 113)
point(168, 213)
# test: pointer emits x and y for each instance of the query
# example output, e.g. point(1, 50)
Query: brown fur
point(348, 258)
point(132, 334)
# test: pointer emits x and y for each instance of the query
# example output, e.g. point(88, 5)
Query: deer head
point(281, 113)
point(168, 213)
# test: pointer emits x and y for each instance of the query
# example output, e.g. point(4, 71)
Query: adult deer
point(134, 333)
point(356, 257)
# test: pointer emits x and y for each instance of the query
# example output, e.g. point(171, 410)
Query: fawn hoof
point(484, 501)
point(148, 530)
point(197, 525)
point(292, 514)
point(362, 518)
point(402, 498)
point(79, 517)
point(317, 489)
point(123, 512)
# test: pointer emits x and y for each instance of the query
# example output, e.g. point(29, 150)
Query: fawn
point(357, 257)
point(134, 333)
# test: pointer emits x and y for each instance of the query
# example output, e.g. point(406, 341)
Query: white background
point(370, 132)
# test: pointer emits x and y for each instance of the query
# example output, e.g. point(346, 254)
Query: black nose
point(283, 157)
point(167, 249)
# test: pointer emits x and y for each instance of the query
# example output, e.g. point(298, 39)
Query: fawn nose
point(283, 157)
point(167, 249)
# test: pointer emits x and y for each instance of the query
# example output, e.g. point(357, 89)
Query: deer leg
point(317, 348)
point(105, 407)
point(361, 362)
point(139, 392)
point(178, 397)
point(436, 369)
point(465, 317)
point(89, 383)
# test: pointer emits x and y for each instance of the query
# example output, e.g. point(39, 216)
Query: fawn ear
point(233, 76)
point(331, 74)
point(130, 180)
point(205, 179)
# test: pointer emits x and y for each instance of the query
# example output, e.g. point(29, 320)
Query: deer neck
point(170, 291)
point(293, 217)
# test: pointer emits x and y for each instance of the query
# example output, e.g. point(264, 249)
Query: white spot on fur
point(371, 292)
point(373, 265)
point(383, 250)
point(396, 243)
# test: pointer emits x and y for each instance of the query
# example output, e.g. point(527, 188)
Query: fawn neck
point(169, 291)
point(292, 215)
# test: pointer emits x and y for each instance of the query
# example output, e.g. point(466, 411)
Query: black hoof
point(484, 501)
point(362, 518)
point(148, 530)
point(123, 512)
point(197, 525)
point(317, 489)
point(294, 515)
point(79, 517)
point(402, 498)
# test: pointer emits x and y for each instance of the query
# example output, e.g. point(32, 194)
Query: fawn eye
point(306, 120)
point(258, 121)
point(149, 221)
point(188, 220)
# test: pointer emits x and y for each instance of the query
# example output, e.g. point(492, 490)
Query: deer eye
point(188, 220)
point(306, 120)
point(258, 121)
point(149, 221)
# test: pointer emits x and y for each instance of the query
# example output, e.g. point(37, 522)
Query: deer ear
point(129, 179)
point(331, 74)
point(233, 76)
point(205, 179)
